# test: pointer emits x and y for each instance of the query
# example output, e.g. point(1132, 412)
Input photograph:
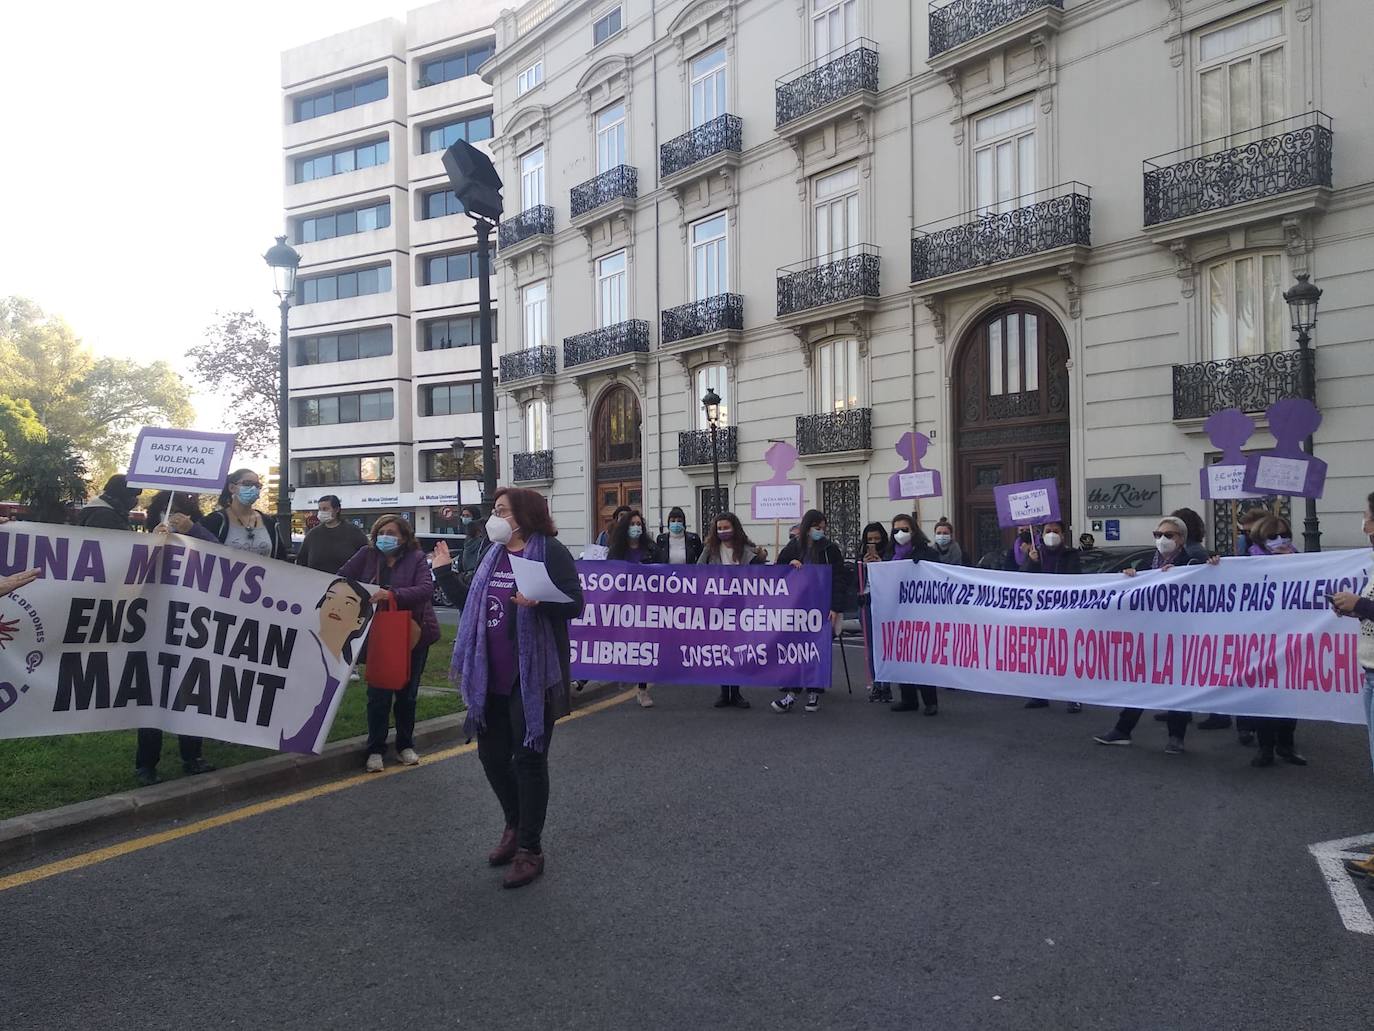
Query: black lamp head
point(474, 180)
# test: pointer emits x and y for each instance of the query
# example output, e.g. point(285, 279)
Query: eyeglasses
point(1167, 533)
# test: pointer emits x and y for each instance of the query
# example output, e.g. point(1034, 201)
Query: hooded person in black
point(111, 510)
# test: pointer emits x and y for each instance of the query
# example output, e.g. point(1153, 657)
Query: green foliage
point(47, 474)
point(239, 360)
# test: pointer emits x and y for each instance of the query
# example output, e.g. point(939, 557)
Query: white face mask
point(943, 539)
point(498, 530)
point(326, 515)
point(1053, 540)
point(902, 536)
point(1164, 546)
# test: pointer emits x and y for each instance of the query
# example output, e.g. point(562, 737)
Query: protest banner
point(748, 625)
point(128, 630)
point(169, 459)
point(1250, 636)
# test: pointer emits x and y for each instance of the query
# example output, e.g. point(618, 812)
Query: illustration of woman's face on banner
point(344, 610)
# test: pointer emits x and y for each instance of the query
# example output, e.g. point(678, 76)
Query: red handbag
point(389, 643)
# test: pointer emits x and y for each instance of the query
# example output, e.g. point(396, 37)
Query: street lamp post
point(710, 401)
point(460, 455)
point(284, 261)
point(1302, 301)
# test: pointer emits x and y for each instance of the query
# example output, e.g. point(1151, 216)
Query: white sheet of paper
point(1027, 506)
point(916, 485)
point(532, 580)
point(595, 553)
point(1227, 482)
point(1281, 475)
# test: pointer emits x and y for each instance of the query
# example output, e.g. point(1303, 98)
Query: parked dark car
point(455, 544)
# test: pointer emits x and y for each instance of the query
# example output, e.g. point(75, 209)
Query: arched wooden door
point(617, 445)
point(1011, 417)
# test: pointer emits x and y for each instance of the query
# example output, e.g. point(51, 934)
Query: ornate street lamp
point(710, 401)
point(284, 261)
point(1302, 300)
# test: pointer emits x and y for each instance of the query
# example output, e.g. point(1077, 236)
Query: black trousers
point(518, 776)
point(149, 749)
point(1275, 731)
point(929, 695)
point(379, 704)
point(1177, 722)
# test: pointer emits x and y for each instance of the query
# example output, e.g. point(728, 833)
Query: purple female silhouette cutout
point(1228, 430)
point(1288, 469)
point(777, 497)
point(919, 482)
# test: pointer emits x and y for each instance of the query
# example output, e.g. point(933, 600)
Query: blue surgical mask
point(248, 495)
point(467, 520)
point(636, 532)
point(817, 535)
point(387, 543)
point(676, 527)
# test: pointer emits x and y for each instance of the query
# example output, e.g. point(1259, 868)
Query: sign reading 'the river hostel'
point(1125, 496)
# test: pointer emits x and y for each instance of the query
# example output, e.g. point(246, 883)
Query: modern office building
point(383, 356)
point(1051, 235)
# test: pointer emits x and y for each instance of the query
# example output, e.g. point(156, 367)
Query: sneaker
point(353, 677)
point(374, 763)
point(645, 702)
point(1074, 707)
point(524, 868)
point(1174, 747)
point(196, 766)
point(1360, 867)
point(1036, 703)
point(1113, 737)
point(783, 704)
point(409, 757)
point(813, 701)
point(1215, 722)
point(147, 776)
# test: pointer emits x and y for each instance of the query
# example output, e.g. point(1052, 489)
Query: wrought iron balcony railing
point(719, 134)
point(709, 315)
point(1060, 216)
point(833, 77)
point(694, 446)
point(1251, 383)
point(606, 342)
point(829, 279)
point(529, 363)
point(535, 221)
point(620, 181)
point(955, 22)
point(1274, 159)
point(532, 465)
point(847, 430)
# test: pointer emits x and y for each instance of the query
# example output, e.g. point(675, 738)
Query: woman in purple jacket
point(392, 558)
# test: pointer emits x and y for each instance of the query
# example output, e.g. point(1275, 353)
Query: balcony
point(836, 436)
point(1047, 229)
point(1251, 383)
point(531, 229)
point(694, 448)
point(607, 195)
point(963, 31)
point(610, 347)
point(833, 284)
point(722, 313)
point(1274, 171)
point(701, 152)
point(829, 88)
point(533, 467)
point(532, 363)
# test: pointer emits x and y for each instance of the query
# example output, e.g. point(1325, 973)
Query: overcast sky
point(140, 160)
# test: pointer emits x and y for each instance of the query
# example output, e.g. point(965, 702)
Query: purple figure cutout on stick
point(1228, 430)
point(777, 497)
point(1288, 469)
point(913, 481)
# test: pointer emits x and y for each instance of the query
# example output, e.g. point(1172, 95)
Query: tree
point(239, 359)
point(47, 475)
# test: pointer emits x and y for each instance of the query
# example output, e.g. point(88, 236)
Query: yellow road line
point(124, 848)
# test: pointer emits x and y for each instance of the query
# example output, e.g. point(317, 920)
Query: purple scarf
point(536, 652)
point(902, 552)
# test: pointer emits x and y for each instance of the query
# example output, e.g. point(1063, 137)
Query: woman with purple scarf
point(910, 544)
point(1049, 553)
point(510, 661)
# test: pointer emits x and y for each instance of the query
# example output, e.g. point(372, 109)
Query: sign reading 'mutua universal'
point(1125, 496)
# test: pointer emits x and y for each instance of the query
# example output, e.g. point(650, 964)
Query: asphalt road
point(988, 868)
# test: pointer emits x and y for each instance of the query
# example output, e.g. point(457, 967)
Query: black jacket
point(664, 542)
point(829, 553)
point(105, 514)
point(1070, 563)
point(217, 522)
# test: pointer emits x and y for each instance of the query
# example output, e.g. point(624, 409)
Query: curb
point(24, 837)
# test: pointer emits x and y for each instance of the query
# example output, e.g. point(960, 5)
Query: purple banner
point(765, 626)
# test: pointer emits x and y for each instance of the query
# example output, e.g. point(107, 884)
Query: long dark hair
point(1197, 529)
point(531, 511)
point(919, 541)
point(740, 542)
point(812, 550)
point(619, 543)
point(862, 549)
point(364, 610)
point(165, 501)
point(227, 494)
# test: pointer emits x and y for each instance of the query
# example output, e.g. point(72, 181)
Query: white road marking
point(1345, 892)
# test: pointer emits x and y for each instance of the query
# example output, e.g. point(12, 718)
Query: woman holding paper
point(812, 547)
point(629, 543)
point(1049, 552)
point(394, 560)
point(511, 662)
point(910, 544)
point(1272, 535)
point(728, 545)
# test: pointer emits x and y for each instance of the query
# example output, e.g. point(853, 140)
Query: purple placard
point(777, 497)
point(181, 459)
point(1020, 504)
point(750, 625)
point(913, 481)
point(1228, 430)
point(1288, 469)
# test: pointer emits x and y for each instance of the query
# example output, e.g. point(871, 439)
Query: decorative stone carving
point(1185, 268)
point(1069, 274)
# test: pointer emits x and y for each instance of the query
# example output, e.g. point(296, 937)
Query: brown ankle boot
point(526, 867)
point(504, 851)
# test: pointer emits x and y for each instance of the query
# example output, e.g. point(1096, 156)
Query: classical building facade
point(1051, 235)
point(383, 357)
